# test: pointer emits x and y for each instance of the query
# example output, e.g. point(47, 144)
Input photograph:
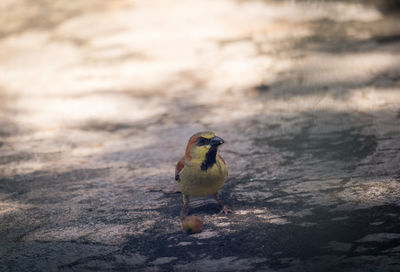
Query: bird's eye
point(202, 141)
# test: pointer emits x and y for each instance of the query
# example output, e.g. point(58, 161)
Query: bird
point(201, 171)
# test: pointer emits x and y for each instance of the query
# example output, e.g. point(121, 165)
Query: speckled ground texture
point(98, 100)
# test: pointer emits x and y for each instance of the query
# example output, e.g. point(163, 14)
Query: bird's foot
point(225, 210)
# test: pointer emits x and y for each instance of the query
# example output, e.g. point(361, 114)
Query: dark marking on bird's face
point(202, 141)
point(211, 158)
point(211, 155)
point(214, 141)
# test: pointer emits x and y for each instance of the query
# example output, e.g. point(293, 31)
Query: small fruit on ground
point(192, 224)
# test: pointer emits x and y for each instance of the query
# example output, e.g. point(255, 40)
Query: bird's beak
point(216, 141)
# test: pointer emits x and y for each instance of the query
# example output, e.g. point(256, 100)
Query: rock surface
point(98, 99)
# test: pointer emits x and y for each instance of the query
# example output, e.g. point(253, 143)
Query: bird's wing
point(179, 166)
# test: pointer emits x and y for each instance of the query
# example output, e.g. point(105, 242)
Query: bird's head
point(201, 144)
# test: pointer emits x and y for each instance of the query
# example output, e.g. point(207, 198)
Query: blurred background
point(98, 99)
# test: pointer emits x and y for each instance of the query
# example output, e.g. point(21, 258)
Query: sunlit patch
point(265, 215)
point(273, 219)
point(206, 234)
point(222, 224)
point(63, 111)
point(371, 99)
point(80, 74)
point(380, 237)
point(109, 234)
point(371, 193)
point(9, 207)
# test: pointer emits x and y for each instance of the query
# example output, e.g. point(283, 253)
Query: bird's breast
point(197, 182)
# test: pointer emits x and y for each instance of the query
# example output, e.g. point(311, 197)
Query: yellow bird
point(201, 171)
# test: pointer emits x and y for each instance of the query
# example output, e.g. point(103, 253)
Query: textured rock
point(98, 99)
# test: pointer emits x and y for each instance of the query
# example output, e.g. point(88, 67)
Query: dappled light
point(98, 99)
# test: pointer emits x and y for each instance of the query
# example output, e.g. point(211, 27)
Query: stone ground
point(98, 100)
